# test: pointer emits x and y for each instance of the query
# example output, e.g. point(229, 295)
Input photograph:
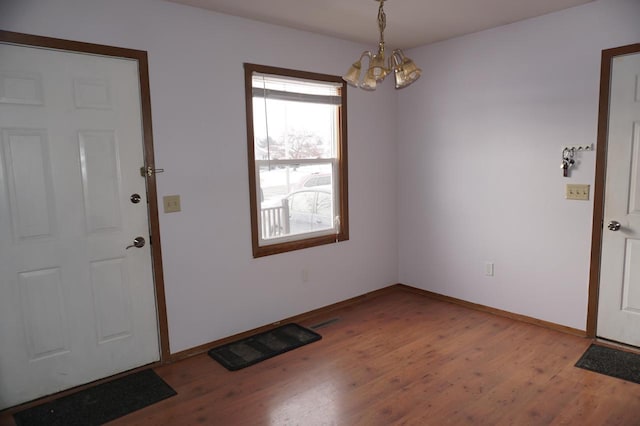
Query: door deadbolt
point(138, 242)
point(614, 225)
point(135, 198)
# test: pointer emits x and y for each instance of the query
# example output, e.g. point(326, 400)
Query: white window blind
point(296, 90)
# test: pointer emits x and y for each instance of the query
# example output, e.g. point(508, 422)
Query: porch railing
point(275, 221)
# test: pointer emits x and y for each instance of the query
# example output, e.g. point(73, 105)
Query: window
point(297, 145)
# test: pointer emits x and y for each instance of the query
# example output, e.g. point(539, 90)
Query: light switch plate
point(575, 191)
point(171, 203)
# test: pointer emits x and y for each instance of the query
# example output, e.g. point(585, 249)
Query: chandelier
point(404, 69)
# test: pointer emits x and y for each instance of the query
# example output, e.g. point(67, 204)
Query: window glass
point(302, 202)
point(324, 204)
point(297, 141)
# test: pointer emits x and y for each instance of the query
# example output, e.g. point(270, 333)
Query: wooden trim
point(145, 98)
point(154, 220)
point(253, 192)
point(344, 167)
point(600, 178)
point(343, 235)
point(376, 293)
point(598, 195)
point(69, 45)
point(296, 318)
point(304, 75)
point(494, 311)
point(615, 345)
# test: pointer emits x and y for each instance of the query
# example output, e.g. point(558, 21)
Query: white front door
point(75, 305)
point(619, 296)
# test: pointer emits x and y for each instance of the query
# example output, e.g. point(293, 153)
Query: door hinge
point(149, 171)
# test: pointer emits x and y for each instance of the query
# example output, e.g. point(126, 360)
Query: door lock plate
point(149, 171)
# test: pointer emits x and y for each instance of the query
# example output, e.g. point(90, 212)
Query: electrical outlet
point(488, 269)
point(575, 191)
point(171, 203)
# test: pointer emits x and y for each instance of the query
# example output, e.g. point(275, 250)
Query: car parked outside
point(314, 179)
point(310, 209)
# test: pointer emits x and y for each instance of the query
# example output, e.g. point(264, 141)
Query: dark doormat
point(99, 404)
point(612, 362)
point(251, 350)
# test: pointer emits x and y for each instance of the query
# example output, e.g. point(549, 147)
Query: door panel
point(110, 285)
point(43, 312)
point(29, 183)
point(100, 180)
point(75, 305)
point(619, 296)
point(630, 287)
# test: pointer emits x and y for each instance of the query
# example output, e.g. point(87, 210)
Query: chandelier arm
point(366, 53)
point(395, 59)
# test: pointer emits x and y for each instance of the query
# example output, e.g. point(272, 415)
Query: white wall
point(479, 150)
point(214, 287)
point(477, 142)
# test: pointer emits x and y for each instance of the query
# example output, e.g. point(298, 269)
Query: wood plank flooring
point(403, 359)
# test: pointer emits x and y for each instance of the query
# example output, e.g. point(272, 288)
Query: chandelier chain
point(382, 23)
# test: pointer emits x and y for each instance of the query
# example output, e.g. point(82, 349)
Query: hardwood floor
point(403, 359)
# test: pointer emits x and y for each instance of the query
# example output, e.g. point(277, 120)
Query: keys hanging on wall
point(567, 161)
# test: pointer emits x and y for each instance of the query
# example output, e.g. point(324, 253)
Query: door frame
point(147, 135)
point(608, 56)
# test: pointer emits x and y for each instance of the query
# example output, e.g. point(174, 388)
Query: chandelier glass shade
point(405, 71)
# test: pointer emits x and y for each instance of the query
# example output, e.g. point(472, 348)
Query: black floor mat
point(99, 404)
point(612, 362)
point(243, 353)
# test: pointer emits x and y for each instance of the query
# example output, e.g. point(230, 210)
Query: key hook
point(567, 160)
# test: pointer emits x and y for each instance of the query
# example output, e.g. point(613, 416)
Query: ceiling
point(410, 23)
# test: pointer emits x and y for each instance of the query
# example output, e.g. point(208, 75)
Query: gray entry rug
point(251, 350)
point(99, 404)
point(612, 362)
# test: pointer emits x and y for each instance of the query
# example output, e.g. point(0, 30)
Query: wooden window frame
point(343, 210)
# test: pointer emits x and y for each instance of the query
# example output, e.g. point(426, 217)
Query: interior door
point(76, 304)
point(619, 295)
